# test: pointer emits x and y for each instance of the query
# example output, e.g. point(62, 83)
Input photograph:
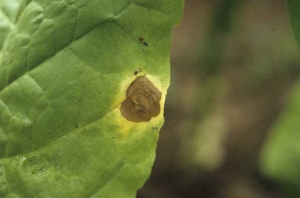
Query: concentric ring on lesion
point(142, 101)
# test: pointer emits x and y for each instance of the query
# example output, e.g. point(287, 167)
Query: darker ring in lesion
point(142, 101)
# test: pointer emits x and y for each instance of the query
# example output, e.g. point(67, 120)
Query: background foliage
point(233, 99)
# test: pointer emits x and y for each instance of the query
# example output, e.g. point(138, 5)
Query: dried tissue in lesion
point(142, 101)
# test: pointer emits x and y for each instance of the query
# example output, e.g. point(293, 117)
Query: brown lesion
point(142, 101)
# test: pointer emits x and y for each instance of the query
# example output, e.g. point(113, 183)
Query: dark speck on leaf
point(154, 128)
point(142, 40)
point(76, 126)
point(137, 71)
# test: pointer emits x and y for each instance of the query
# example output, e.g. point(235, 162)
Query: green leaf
point(280, 158)
point(294, 12)
point(64, 73)
point(8, 17)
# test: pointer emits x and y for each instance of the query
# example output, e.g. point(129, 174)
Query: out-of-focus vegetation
point(232, 106)
point(281, 155)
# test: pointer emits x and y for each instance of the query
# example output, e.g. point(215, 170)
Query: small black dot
point(141, 39)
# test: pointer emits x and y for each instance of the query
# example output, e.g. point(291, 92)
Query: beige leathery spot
point(142, 101)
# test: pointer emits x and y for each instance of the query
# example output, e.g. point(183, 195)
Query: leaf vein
point(7, 19)
point(62, 137)
point(97, 26)
point(115, 175)
point(135, 40)
point(151, 9)
point(82, 61)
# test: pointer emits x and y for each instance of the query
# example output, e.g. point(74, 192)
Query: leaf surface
point(8, 16)
point(64, 71)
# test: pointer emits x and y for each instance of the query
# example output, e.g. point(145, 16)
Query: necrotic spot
point(142, 101)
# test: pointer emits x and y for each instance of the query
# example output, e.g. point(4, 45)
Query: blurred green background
point(233, 108)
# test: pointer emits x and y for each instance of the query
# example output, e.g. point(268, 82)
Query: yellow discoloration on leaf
point(121, 97)
point(126, 126)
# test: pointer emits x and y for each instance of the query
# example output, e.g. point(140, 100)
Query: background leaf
point(64, 72)
point(294, 7)
point(280, 157)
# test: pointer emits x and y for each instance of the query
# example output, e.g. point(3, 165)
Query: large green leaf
point(64, 71)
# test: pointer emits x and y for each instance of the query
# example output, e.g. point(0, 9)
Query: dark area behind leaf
point(220, 119)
